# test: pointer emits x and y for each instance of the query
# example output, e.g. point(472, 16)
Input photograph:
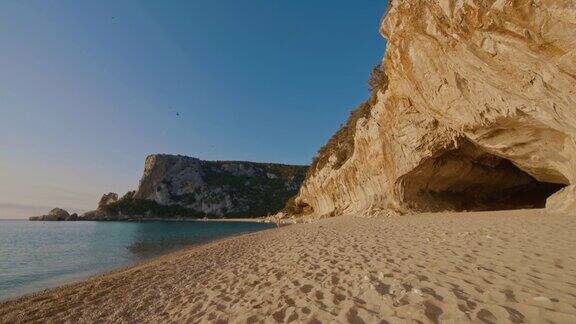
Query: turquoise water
point(38, 255)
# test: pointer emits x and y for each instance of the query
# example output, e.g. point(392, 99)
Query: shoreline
point(457, 267)
point(80, 278)
point(112, 272)
point(228, 220)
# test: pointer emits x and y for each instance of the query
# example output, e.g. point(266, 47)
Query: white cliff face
point(219, 188)
point(479, 113)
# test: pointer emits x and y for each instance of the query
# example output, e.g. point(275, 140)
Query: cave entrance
point(470, 179)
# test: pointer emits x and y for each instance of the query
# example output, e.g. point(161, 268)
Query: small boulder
point(563, 201)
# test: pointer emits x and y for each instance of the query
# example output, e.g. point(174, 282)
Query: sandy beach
point(491, 267)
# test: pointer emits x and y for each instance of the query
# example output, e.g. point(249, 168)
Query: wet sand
point(492, 267)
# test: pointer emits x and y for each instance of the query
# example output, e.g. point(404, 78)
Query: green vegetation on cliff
point(141, 208)
point(256, 195)
point(341, 145)
point(185, 187)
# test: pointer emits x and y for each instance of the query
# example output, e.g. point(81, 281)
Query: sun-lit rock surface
point(479, 113)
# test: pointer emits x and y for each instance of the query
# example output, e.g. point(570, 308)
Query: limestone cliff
point(217, 188)
point(478, 112)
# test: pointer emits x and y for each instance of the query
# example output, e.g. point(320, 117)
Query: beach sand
point(492, 267)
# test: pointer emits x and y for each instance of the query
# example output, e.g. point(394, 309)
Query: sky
point(88, 89)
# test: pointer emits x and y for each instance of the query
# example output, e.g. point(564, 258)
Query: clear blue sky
point(89, 88)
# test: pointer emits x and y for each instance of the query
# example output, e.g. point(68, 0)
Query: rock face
point(107, 199)
point(478, 112)
point(215, 188)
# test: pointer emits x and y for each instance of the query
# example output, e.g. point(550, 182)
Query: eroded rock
point(56, 214)
point(479, 113)
point(107, 199)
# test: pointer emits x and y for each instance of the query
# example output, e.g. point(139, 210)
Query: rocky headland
point(176, 187)
point(219, 188)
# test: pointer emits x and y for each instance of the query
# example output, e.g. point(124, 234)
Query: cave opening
point(470, 179)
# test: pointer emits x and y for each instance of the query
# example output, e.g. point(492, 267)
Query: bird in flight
point(178, 114)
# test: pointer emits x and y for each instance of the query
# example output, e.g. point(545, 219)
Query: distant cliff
point(181, 186)
point(56, 214)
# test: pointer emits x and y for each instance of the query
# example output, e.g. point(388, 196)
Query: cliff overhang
point(479, 113)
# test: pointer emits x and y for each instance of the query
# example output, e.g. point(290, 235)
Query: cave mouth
point(470, 179)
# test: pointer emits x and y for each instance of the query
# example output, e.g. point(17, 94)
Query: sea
point(39, 255)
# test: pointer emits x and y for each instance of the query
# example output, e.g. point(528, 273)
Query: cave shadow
point(471, 179)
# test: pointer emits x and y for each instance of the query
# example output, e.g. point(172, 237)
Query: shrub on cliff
point(378, 80)
point(262, 193)
point(341, 145)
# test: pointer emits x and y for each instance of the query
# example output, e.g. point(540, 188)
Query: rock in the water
point(477, 111)
point(56, 214)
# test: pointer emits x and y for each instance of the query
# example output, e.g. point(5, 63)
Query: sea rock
point(478, 111)
point(107, 199)
point(56, 214)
